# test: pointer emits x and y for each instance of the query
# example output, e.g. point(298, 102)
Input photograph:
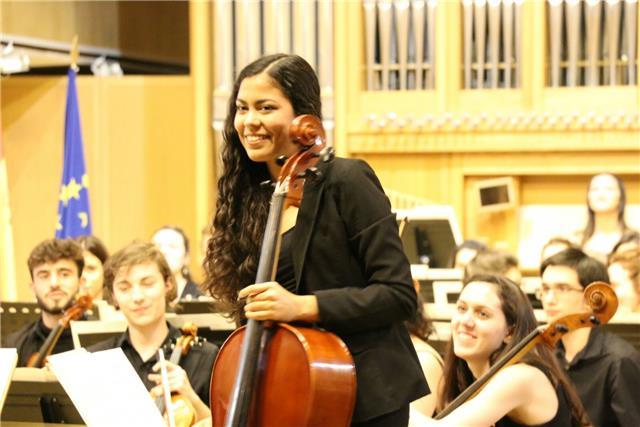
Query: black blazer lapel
point(305, 223)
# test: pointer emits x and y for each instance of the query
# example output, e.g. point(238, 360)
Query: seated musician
point(492, 316)
point(489, 261)
point(604, 368)
point(174, 245)
point(56, 267)
point(139, 278)
point(624, 272)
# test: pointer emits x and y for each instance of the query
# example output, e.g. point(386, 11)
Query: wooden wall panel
point(138, 138)
point(151, 30)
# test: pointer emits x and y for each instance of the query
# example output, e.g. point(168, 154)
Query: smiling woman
point(340, 263)
point(263, 117)
point(492, 316)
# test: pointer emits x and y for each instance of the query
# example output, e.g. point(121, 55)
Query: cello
point(38, 359)
point(603, 303)
point(277, 374)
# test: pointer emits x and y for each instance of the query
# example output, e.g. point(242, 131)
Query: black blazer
point(347, 252)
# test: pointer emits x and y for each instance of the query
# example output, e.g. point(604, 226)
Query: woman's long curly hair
point(521, 321)
point(243, 203)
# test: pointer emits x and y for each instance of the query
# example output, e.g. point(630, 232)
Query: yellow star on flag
point(84, 219)
point(64, 195)
point(73, 189)
point(85, 181)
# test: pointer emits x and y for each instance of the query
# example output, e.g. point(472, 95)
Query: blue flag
point(74, 217)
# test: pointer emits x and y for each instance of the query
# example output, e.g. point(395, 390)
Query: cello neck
point(245, 381)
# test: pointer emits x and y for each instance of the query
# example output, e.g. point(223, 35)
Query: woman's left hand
point(270, 301)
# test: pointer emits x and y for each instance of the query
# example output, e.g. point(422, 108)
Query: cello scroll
point(601, 299)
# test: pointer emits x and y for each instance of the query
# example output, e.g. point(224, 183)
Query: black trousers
point(399, 418)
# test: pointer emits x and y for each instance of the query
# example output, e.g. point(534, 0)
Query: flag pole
point(74, 53)
point(8, 287)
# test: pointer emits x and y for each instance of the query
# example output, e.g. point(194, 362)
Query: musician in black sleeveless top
point(341, 265)
point(56, 267)
point(492, 316)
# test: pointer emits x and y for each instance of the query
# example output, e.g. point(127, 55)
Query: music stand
point(86, 333)
point(196, 306)
point(212, 326)
point(15, 315)
point(35, 395)
point(430, 235)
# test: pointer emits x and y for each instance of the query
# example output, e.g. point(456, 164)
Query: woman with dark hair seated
point(174, 245)
point(95, 255)
point(492, 316)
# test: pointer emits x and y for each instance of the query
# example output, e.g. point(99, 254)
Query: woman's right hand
point(270, 301)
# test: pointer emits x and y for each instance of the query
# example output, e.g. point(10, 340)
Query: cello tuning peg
point(561, 328)
point(311, 172)
point(281, 160)
point(594, 320)
point(326, 154)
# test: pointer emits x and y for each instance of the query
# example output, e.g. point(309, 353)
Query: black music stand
point(15, 315)
point(195, 307)
point(430, 236)
point(39, 399)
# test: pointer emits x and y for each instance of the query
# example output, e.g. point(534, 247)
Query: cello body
point(306, 378)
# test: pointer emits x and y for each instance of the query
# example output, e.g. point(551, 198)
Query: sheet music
point(105, 388)
point(8, 362)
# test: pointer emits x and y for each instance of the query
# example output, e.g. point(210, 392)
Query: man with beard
point(56, 268)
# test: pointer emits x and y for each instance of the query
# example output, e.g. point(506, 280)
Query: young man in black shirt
point(56, 269)
point(139, 278)
point(604, 368)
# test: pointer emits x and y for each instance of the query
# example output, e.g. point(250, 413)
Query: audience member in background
point(495, 263)
point(139, 277)
point(465, 252)
point(95, 255)
point(604, 368)
point(174, 245)
point(492, 316)
point(606, 201)
point(56, 269)
point(555, 245)
point(629, 240)
point(624, 272)
point(419, 329)
point(205, 235)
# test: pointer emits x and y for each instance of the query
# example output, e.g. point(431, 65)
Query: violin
point(38, 359)
point(182, 410)
point(277, 374)
point(602, 302)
